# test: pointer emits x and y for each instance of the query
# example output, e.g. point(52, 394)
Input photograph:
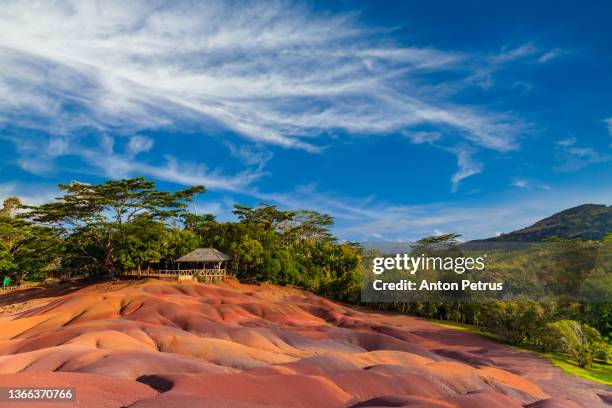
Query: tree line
point(101, 230)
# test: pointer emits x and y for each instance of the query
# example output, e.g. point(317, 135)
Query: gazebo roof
point(205, 255)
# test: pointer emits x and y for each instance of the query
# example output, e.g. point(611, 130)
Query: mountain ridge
point(586, 222)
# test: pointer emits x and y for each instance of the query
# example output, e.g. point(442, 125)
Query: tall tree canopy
point(100, 220)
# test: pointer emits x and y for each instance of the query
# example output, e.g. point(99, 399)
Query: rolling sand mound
point(168, 344)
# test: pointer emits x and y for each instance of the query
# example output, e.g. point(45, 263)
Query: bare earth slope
point(168, 344)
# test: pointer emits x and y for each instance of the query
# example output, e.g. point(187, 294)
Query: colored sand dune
point(162, 344)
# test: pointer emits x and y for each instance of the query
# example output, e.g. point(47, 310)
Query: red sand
point(163, 344)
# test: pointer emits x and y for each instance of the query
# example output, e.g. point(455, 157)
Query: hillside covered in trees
point(586, 222)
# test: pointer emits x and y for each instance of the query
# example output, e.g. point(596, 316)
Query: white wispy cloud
point(520, 183)
point(467, 167)
point(484, 72)
point(550, 55)
point(512, 54)
point(608, 122)
point(250, 155)
point(29, 193)
point(420, 137)
point(139, 144)
point(574, 157)
point(274, 72)
point(530, 184)
point(38, 155)
point(568, 141)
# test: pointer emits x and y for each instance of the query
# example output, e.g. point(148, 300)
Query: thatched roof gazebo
point(204, 255)
point(207, 262)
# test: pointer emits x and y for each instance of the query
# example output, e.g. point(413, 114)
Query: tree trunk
point(109, 259)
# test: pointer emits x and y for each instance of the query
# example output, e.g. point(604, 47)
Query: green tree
point(178, 242)
point(286, 247)
point(580, 341)
point(442, 238)
point(517, 322)
point(101, 220)
point(10, 206)
point(137, 242)
point(26, 250)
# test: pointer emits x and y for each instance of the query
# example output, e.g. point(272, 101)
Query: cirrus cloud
point(275, 73)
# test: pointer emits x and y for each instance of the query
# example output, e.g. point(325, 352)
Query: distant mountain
point(587, 221)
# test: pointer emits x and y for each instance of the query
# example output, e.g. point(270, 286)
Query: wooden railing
point(177, 273)
point(8, 288)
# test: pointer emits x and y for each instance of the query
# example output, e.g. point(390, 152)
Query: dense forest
point(98, 231)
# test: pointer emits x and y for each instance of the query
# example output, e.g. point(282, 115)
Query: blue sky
point(401, 121)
